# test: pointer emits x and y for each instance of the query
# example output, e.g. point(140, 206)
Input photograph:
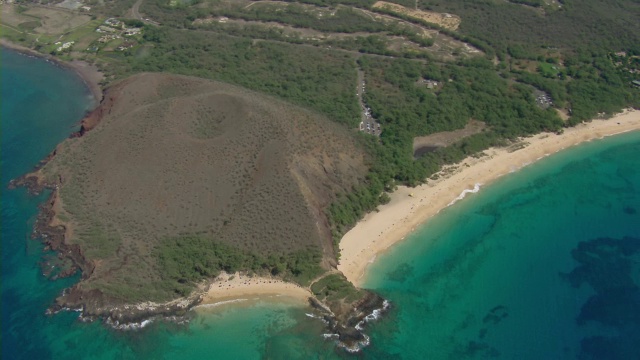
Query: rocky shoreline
point(346, 327)
point(92, 304)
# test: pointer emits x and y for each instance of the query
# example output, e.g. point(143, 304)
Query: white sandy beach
point(229, 287)
point(410, 207)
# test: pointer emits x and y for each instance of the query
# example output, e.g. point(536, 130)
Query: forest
point(343, 20)
point(187, 259)
point(473, 89)
point(589, 25)
point(319, 79)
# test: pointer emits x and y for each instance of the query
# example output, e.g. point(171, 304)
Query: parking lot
point(367, 124)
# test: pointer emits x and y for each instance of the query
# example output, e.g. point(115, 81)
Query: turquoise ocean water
point(535, 266)
point(544, 263)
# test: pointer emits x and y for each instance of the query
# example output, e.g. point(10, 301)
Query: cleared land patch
point(447, 21)
point(179, 161)
point(399, 38)
point(284, 29)
point(425, 144)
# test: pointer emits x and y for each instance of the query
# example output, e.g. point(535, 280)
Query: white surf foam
point(464, 193)
point(206, 306)
point(130, 326)
point(357, 346)
point(375, 315)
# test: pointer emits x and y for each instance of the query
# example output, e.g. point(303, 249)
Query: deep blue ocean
point(542, 264)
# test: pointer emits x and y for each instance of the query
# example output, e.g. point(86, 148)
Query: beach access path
point(410, 207)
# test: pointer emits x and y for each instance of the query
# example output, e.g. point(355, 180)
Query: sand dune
point(410, 207)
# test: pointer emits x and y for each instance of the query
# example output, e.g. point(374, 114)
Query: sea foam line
point(321, 318)
point(357, 346)
point(129, 326)
point(206, 306)
point(375, 315)
point(464, 193)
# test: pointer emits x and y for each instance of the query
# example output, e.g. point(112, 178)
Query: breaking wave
point(464, 193)
point(366, 341)
point(357, 346)
point(375, 315)
point(128, 326)
point(206, 306)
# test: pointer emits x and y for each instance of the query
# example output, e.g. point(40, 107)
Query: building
point(131, 31)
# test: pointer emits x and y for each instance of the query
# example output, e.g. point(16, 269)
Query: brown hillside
point(176, 155)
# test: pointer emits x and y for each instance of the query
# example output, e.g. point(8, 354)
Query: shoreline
point(232, 288)
point(374, 234)
point(90, 74)
point(411, 207)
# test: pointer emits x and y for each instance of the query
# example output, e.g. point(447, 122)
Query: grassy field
point(181, 157)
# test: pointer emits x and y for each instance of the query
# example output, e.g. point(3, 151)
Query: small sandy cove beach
point(228, 288)
point(410, 207)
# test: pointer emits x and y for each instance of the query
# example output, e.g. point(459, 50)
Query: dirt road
point(135, 11)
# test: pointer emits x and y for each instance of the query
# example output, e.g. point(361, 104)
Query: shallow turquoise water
point(41, 105)
point(488, 277)
point(483, 279)
point(35, 115)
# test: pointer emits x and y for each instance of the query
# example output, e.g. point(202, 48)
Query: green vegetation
point(343, 20)
point(585, 24)
point(548, 70)
point(183, 261)
point(354, 3)
point(534, 3)
point(11, 34)
point(583, 54)
point(241, 175)
point(335, 287)
point(113, 8)
point(316, 78)
point(588, 82)
point(472, 90)
point(30, 25)
point(471, 40)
